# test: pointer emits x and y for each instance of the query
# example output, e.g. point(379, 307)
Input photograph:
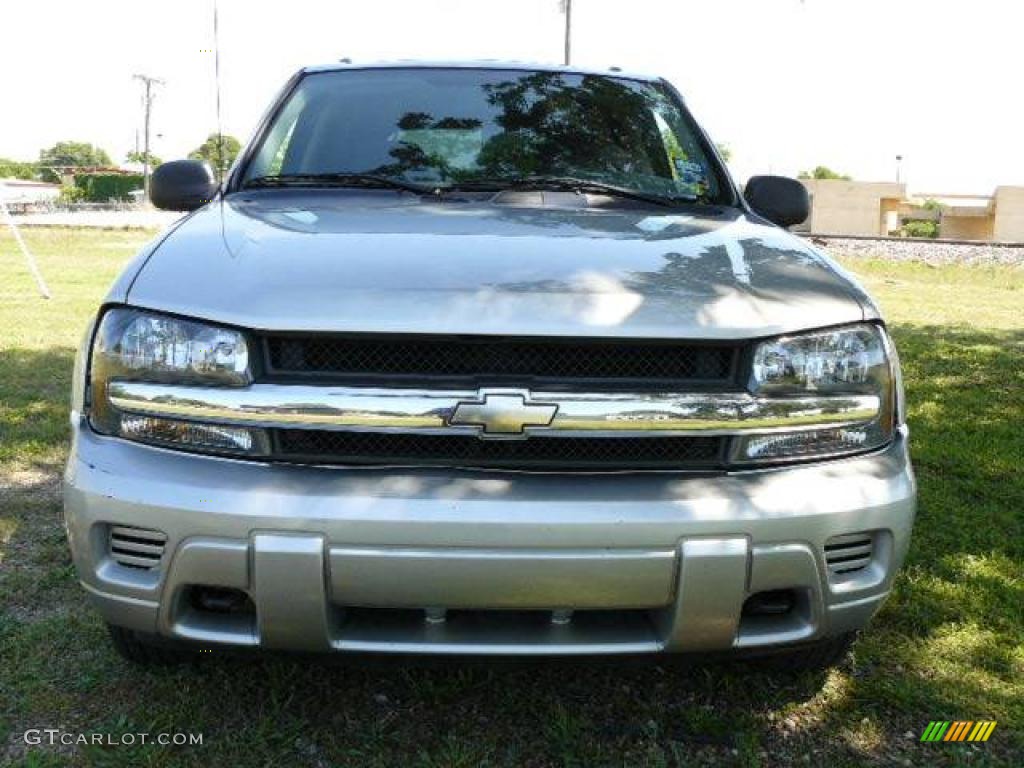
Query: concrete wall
point(852, 207)
point(867, 207)
point(1009, 214)
point(956, 227)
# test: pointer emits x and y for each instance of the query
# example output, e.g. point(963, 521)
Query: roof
point(495, 64)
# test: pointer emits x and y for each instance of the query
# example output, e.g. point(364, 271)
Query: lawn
point(948, 645)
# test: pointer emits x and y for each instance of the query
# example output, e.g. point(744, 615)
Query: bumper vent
point(139, 548)
point(849, 553)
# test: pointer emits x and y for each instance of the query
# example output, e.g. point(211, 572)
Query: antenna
point(567, 10)
point(216, 82)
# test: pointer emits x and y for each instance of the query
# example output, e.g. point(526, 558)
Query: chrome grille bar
point(429, 411)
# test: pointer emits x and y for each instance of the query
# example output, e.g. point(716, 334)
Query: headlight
point(844, 360)
point(851, 360)
point(136, 345)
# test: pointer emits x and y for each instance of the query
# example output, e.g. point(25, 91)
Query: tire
point(812, 657)
point(147, 650)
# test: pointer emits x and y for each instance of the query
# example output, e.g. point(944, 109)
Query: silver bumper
point(369, 559)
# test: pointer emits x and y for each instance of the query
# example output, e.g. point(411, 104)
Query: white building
point(27, 191)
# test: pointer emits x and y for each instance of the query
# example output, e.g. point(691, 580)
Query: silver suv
point(485, 359)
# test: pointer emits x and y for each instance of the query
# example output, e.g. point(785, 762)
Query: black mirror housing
point(182, 185)
point(781, 200)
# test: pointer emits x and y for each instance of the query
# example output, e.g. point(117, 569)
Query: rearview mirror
point(182, 185)
point(779, 199)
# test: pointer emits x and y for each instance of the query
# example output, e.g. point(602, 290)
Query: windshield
point(485, 128)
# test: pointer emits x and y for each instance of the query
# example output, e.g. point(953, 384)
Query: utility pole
point(899, 164)
point(147, 101)
point(567, 10)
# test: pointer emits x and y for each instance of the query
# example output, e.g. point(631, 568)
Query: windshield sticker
point(690, 177)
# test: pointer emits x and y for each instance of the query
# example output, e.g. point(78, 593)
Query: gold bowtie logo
point(503, 414)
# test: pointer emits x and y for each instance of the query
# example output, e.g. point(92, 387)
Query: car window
point(274, 148)
point(447, 126)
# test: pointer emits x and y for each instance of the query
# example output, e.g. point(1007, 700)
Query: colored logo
point(958, 730)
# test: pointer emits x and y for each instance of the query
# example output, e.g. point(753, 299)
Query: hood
point(526, 264)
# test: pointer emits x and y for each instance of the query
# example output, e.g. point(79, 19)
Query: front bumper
point(433, 561)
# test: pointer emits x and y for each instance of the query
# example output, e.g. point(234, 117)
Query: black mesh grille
point(628, 362)
point(605, 453)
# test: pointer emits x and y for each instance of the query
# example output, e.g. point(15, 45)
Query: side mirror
point(779, 199)
point(182, 185)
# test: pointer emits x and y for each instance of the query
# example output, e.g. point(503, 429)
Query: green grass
point(38, 338)
point(949, 644)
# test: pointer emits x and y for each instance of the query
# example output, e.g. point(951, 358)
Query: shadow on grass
point(946, 646)
point(35, 388)
point(965, 390)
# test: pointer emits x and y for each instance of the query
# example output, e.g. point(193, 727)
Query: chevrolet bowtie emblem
point(502, 414)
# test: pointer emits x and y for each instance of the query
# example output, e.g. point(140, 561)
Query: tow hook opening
point(773, 602)
point(220, 600)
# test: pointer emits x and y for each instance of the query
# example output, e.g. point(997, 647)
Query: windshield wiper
point(356, 180)
point(496, 183)
point(568, 184)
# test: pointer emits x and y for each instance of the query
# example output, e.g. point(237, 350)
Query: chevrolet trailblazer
point(485, 359)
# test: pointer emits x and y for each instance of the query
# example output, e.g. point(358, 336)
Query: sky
point(787, 84)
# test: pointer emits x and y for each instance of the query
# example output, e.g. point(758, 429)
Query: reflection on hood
point(543, 263)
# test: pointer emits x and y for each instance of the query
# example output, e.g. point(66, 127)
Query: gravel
point(980, 254)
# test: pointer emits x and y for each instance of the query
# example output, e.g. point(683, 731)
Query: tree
point(210, 151)
point(75, 154)
point(101, 187)
point(16, 169)
point(920, 229)
point(824, 172)
point(725, 151)
point(140, 159)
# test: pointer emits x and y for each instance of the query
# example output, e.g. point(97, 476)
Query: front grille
point(139, 548)
point(539, 453)
point(849, 553)
point(472, 360)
